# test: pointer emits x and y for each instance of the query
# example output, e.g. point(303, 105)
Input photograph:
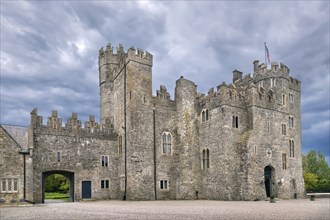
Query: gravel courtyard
point(201, 209)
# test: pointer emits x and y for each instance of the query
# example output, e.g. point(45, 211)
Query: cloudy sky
point(49, 51)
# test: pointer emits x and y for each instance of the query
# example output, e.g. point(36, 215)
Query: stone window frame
point(205, 158)
point(272, 82)
point(205, 115)
point(164, 184)
point(120, 145)
point(283, 99)
point(268, 126)
point(283, 129)
point(234, 121)
point(284, 162)
point(104, 161)
point(9, 185)
point(105, 184)
point(166, 143)
point(291, 97)
point(58, 156)
point(291, 122)
point(291, 148)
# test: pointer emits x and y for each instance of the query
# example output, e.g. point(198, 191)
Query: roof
point(18, 133)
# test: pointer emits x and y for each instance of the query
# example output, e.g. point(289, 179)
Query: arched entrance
point(269, 174)
point(67, 174)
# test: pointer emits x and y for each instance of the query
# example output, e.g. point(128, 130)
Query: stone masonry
point(241, 141)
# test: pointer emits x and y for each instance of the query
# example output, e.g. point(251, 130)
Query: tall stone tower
point(126, 100)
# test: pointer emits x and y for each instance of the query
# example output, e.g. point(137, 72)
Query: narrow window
point(272, 82)
point(291, 97)
point(15, 188)
point(283, 99)
point(9, 185)
point(283, 129)
point(205, 115)
point(291, 148)
point(58, 156)
point(290, 122)
point(120, 145)
point(102, 184)
point(130, 95)
point(144, 99)
point(107, 184)
point(163, 184)
point(3, 185)
point(205, 159)
point(166, 143)
point(104, 161)
point(268, 126)
point(284, 161)
point(235, 121)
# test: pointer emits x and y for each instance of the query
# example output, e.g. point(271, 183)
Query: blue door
point(86, 189)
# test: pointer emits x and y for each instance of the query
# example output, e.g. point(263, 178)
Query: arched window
point(205, 115)
point(205, 159)
point(166, 143)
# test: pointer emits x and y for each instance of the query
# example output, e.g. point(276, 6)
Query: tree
point(57, 183)
point(311, 181)
point(316, 172)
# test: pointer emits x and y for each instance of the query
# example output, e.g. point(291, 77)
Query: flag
point(267, 59)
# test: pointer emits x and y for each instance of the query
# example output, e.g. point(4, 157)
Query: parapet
point(72, 127)
point(138, 55)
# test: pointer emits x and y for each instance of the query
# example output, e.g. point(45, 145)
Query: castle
point(241, 141)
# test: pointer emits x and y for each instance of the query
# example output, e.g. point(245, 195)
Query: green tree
point(316, 172)
point(311, 181)
point(57, 183)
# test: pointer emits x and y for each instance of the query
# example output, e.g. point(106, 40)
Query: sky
point(49, 51)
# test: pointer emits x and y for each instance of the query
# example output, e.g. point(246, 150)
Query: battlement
point(109, 56)
point(72, 127)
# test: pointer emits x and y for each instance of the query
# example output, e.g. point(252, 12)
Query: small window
point(58, 156)
point(291, 99)
point(104, 184)
point(235, 121)
point(104, 161)
point(120, 145)
point(166, 143)
point(3, 185)
point(205, 159)
point(272, 82)
point(290, 122)
point(283, 99)
point(15, 187)
point(284, 161)
point(283, 129)
point(205, 115)
point(268, 126)
point(291, 148)
point(163, 184)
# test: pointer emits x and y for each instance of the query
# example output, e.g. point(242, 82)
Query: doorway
point(86, 192)
point(269, 174)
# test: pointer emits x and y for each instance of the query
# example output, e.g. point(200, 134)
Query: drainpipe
point(155, 165)
point(125, 132)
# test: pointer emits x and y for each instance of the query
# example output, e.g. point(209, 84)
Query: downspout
point(125, 132)
point(155, 156)
point(24, 187)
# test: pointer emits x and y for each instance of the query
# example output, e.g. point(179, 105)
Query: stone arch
point(269, 176)
point(67, 174)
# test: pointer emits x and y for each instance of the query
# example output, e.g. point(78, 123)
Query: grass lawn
point(57, 195)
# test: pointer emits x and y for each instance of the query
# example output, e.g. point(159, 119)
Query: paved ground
point(284, 209)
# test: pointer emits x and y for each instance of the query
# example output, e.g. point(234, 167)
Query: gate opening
point(57, 186)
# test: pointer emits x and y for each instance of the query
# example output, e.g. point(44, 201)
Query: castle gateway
point(241, 141)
